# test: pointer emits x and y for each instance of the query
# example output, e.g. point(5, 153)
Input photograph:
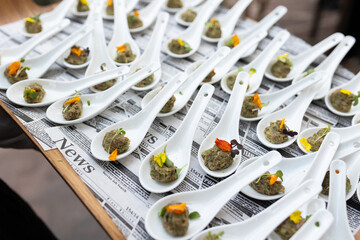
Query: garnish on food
point(233, 41)
point(109, 3)
point(34, 93)
point(282, 67)
point(295, 217)
point(305, 144)
point(227, 147)
point(16, 72)
point(343, 99)
point(76, 50)
point(268, 183)
point(113, 155)
point(121, 48)
point(33, 19)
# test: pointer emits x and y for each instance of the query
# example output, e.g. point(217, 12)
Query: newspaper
point(116, 184)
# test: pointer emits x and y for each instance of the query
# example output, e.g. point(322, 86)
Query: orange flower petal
point(213, 20)
point(223, 145)
point(13, 68)
point(77, 51)
point(257, 101)
point(282, 123)
point(109, 3)
point(113, 155)
point(136, 13)
point(121, 48)
point(74, 99)
point(273, 179)
point(236, 40)
point(177, 209)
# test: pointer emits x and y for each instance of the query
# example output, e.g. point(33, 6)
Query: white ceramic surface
point(137, 126)
point(356, 119)
point(218, 194)
point(177, 15)
point(228, 127)
point(178, 147)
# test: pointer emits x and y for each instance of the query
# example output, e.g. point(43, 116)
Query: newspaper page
point(116, 184)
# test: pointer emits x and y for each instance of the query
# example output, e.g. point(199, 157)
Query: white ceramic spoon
point(40, 64)
point(137, 126)
point(178, 147)
point(329, 65)
point(228, 127)
point(293, 113)
point(304, 59)
point(340, 228)
point(229, 20)
point(209, 201)
point(346, 133)
point(75, 12)
point(358, 191)
point(50, 19)
point(311, 208)
point(274, 100)
point(259, 63)
point(299, 169)
point(186, 3)
point(56, 90)
point(315, 227)
point(130, 5)
point(356, 119)
point(178, 14)
point(9, 55)
point(190, 85)
point(264, 25)
point(98, 101)
point(192, 35)
point(354, 86)
point(235, 54)
point(121, 34)
point(261, 225)
point(148, 15)
point(153, 51)
point(352, 172)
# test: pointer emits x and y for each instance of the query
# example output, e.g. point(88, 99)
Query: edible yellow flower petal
point(160, 159)
point(283, 56)
point(109, 3)
point(180, 42)
point(252, 71)
point(29, 19)
point(344, 91)
point(305, 143)
point(296, 216)
point(84, 2)
point(113, 155)
point(282, 123)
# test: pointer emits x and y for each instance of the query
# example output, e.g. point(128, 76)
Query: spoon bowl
point(196, 201)
point(121, 34)
point(178, 147)
point(354, 86)
point(83, 43)
point(137, 126)
point(304, 59)
point(191, 84)
point(293, 113)
point(227, 128)
point(76, 13)
point(56, 90)
point(356, 119)
point(178, 14)
point(130, 5)
point(148, 15)
point(186, 3)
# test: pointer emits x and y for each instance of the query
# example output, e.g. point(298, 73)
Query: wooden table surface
point(16, 10)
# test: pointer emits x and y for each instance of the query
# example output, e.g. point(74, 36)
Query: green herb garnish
point(356, 99)
point(194, 215)
point(29, 93)
point(162, 212)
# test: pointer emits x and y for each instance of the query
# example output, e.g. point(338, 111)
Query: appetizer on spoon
point(284, 67)
point(187, 15)
point(37, 66)
point(81, 8)
point(47, 21)
point(173, 6)
point(329, 65)
point(134, 127)
point(159, 174)
point(256, 68)
point(190, 85)
point(219, 194)
point(261, 225)
point(8, 55)
point(142, 19)
point(224, 26)
point(122, 48)
point(340, 228)
point(152, 54)
point(187, 42)
point(256, 106)
point(71, 110)
point(217, 152)
point(344, 100)
point(279, 129)
point(48, 91)
point(108, 8)
point(235, 54)
point(264, 25)
point(291, 172)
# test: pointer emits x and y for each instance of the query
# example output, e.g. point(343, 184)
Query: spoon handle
point(321, 162)
point(231, 117)
point(230, 19)
point(154, 49)
point(196, 77)
point(52, 55)
point(262, 60)
point(268, 21)
point(149, 112)
point(337, 202)
point(188, 126)
point(121, 27)
point(197, 26)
